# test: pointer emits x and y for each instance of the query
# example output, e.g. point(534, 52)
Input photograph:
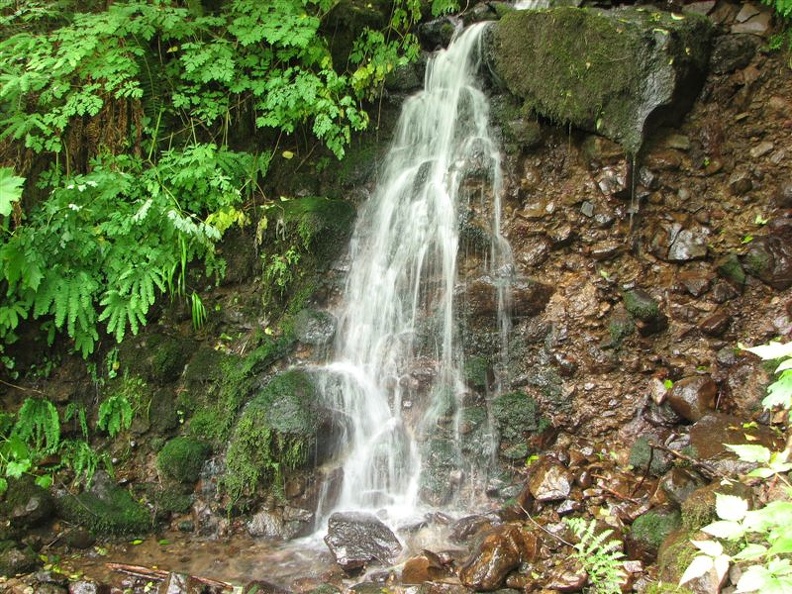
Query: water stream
point(397, 326)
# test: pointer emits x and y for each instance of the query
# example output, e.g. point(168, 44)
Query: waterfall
point(397, 326)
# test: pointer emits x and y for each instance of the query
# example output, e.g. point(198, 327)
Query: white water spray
point(399, 302)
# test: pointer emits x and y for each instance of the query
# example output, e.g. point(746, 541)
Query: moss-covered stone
point(275, 433)
point(173, 501)
point(729, 267)
point(106, 510)
point(698, 509)
point(620, 326)
point(642, 455)
point(515, 414)
point(616, 72)
point(477, 372)
point(25, 504)
point(181, 459)
point(653, 527)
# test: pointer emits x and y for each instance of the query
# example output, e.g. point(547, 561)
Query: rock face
point(620, 74)
point(356, 538)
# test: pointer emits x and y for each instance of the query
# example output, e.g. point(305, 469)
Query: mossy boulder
point(181, 459)
point(275, 433)
point(618, 73)
point(106, 509)
point(26, 505)
point(648, 532)
point(515, 414)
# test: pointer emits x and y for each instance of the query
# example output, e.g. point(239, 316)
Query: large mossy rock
point(275, 433)
point(618, 73)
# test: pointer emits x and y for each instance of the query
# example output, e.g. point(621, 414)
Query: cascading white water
point(399, 300)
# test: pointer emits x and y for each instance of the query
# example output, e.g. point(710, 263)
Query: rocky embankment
point(638, 269)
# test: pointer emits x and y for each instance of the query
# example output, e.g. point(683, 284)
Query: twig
point(161, 574)
point(543, 529)
point(706, 469)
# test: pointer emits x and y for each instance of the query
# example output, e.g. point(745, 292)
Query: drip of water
point(398, 321)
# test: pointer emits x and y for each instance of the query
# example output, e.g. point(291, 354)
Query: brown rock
point(501, 551)
point(549, 480)
point(716, 324)
point(420, 569)
point(693, 397)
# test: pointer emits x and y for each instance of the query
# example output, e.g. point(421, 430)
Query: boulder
point(618, 73)
point(358, 538)
point(500, 552)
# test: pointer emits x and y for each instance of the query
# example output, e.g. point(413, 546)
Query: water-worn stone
point(648, 531)
point(732, 52)
point(674, 242)
point(357, 538)
point(284, 522)
point(314, 327)
point(26, 504)
point(15, 560)
point(565, 579)
point(716, 324)
point(420, 569)
point(180, 583)
point(88, 587)
point(549, 480)
point(501, 551)
point(678, 484)
point(585, 80)
point(693, 397)
point(770, 260)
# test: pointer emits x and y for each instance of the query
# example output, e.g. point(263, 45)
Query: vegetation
point(764, 546)
point(601, 558)
point(125, 126)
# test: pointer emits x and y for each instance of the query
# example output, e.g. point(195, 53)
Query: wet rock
point(437, 33)
point(181, 458)
point(732, 52)
point(499, 553)
point(529, 297)
point(674, 243)
point(26, 505)
point(740, 183)
point(79, 538)
point(606, 250)
point(708, 436)
point(729, 267)
point(262, 587)
point(356, 539)
point(15, 560)
point(88, 587)
point(646, 309)
point(480, 298)
point(549, 480)
point(784, 196)
point(752, 19)
point(678, 484)
point(465, 528)
point(314, 327)
point(648, 532)
point(695, 282)
point(693, 397)
point(179, 583)
point(643, 455)
point(284, 522)
point(564, 579)
point(422, 568)
point(770, 260)
point(575, 79)
point(536, 252)
point(716, 324)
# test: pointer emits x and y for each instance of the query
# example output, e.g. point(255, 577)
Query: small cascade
point(396, 380)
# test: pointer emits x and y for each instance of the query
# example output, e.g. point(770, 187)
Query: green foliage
point(27, 439)
point(133, 106)
point(116, 411)
point(10, 190)
point(181, 459)
point(114, 512)
point(601, 558)
point(764, 542)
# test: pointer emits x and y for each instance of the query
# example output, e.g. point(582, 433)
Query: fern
point(38, 425)
point(115, 415)
point(601, 558)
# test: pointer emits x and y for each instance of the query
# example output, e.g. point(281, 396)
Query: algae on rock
point(618, 73)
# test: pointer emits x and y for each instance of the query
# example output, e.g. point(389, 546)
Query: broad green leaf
point(698, 567)
point(709, 547)
point(782, 543)
point(771, 350)
point(730, 507)
point(751, 453)
point(779, 393)
point(725, 529)
point(750, 552)
point(10, 190)
point(44, 481)
point(753, 579)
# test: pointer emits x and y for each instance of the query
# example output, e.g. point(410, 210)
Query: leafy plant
point(763, 536)
point(601, 558)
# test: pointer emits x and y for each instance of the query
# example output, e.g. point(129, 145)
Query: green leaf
point(771, 350)
point(730, 507)
point(697, 568)
point(724, 529)
point(779, 393)
point(10, 190)
point(751, 453)
point(709, 547)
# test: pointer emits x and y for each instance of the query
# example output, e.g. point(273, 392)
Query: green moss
point(172, 501)
point(114, 512)
point(181, 459)
point(477, 371)
point(620, 326)
point(641, 305)
point(675, 555)
point(666, 588)
point(641, 455)
point(516, 413)
point(231, 382)
point(275, 432)
point(654, 526)
point(729, 267)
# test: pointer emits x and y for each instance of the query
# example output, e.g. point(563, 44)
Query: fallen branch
point(150, 573)
point(707, 470)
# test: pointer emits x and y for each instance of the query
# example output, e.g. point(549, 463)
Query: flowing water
point(398, 326)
